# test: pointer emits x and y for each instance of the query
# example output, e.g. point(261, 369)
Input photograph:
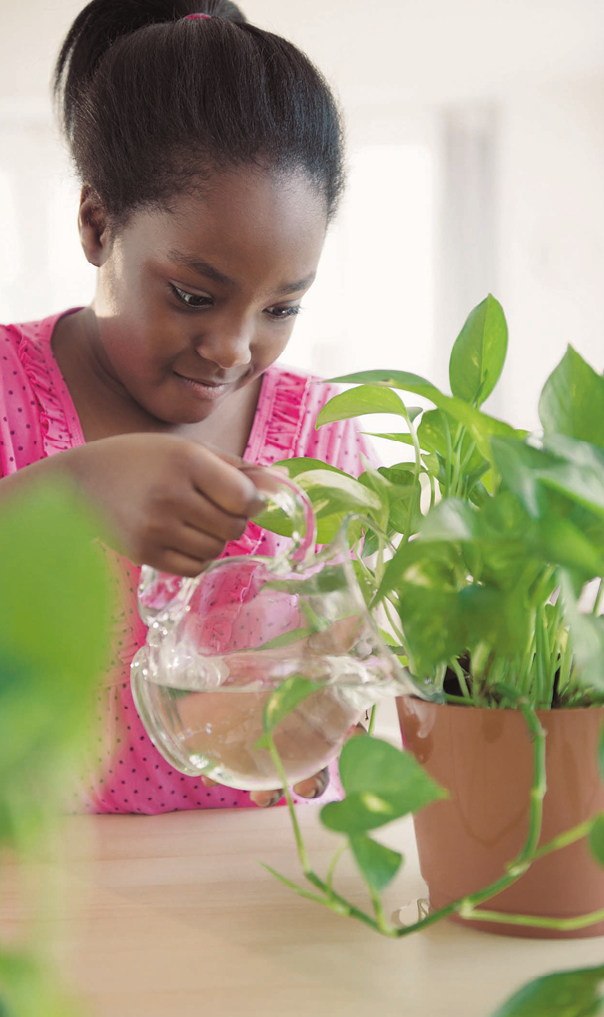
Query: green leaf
point(381, 784)
point(366, 582)
point(586, 633)
point(293, 636)
point(30, 987)
point(54, 602)
point(494, 616)
point(431, 564)
point(378, 864)
point(276, 520)
point(282, 702)
point(330, 491)
point(405, 438)
point(480, 425)
point(576, 470)
point(479, 351)
point(596, 839)
point(601, 754)
point(391, 379)
point(395, 496)
point(572, 400)
point(521, 466)
point(565, 994)
point(452, 519)
point(434, 432)
point(360, 401)
point(303, 464)
point(565, 544)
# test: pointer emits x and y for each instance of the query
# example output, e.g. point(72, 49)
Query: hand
point(171, 503)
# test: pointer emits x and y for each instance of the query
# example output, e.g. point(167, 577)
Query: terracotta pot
point(484, 759)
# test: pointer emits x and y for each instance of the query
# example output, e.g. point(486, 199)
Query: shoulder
point(15, 382)
point(28, 403)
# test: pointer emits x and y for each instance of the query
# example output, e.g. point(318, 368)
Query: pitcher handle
point(284, 494)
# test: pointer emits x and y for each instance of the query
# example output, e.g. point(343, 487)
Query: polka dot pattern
point(124, 772)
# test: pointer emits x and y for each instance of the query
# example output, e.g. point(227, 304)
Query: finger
point(174, 562)
point(228, 487)
point(201, 514)
point(201, 547)
point(358, 729)
point(313, 787)
point(264, 799)
point(208, 782)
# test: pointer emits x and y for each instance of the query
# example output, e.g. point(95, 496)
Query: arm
point(161, 500)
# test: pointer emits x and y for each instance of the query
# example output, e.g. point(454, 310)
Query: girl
point(210, 157)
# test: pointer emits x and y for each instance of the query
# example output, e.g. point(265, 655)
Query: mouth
point(207, 390)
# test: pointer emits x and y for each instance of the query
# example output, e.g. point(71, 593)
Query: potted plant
point(492, 593)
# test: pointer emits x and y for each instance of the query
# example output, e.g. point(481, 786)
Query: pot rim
point(507, 709)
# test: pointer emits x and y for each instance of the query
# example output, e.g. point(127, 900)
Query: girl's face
point(194, 303)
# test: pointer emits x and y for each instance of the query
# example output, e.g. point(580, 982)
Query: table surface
point(173, 915)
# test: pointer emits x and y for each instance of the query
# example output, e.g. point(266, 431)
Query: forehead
point(245, 222)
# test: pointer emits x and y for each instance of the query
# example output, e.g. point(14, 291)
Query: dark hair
point(153, 102)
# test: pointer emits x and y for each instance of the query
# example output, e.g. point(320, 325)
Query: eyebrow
point(201, 268)
point(209, 272)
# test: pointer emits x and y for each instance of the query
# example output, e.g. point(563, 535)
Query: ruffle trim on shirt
point(56, 432)
point(275, 433)
point(286, 416)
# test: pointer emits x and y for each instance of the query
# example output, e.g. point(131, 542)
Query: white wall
point(551, 233)
point(477, 132)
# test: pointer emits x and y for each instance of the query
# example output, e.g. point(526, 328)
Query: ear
point(93, 227)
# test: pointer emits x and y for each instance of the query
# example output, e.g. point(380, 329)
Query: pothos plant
point(54, 601)
point(489, 569)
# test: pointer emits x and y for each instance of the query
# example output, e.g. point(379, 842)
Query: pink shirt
point(38, 419)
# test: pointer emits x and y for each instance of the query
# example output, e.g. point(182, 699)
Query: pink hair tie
point(198, 17)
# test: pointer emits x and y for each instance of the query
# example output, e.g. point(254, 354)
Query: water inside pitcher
point(220, 644)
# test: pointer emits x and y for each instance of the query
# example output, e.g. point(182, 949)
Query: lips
point(210, 382)
point(206, 391)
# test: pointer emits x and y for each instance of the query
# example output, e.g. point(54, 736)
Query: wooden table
point(172, 916)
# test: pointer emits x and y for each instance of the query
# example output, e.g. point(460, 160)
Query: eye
point(190, 299)
point(280, 313)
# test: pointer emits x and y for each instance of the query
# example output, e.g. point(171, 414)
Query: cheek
point(272, 342)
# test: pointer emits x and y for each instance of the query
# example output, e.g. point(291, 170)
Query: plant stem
point(541, 654)
point(539, 921)
point(524, 676)
point(332, 900)
point(566, 661)
point(332, 865)
point(432, 490)
point(398, 632)
point(461, 678)
point(566, 838)
point(457, 463)
point(383, 924)
point(596, 606)
point(290, 805)
point(416, 472)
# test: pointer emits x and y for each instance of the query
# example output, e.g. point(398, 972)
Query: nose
point(228, 345)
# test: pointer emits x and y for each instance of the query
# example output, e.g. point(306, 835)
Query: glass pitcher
point(218, 645)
